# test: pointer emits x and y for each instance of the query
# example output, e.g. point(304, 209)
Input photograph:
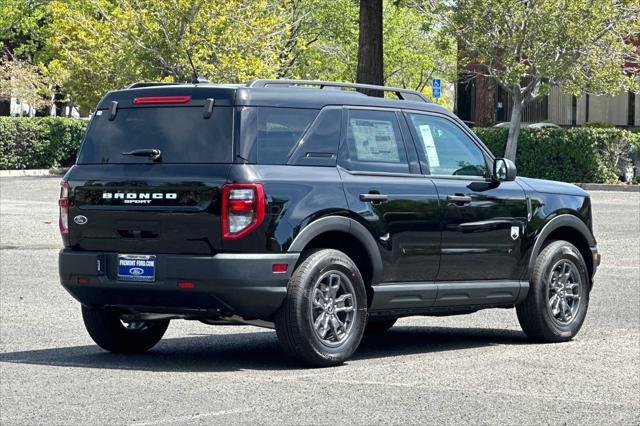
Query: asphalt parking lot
point(478, 368)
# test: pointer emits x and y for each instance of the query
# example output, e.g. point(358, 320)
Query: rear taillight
point(242, 209)
point(63, 202)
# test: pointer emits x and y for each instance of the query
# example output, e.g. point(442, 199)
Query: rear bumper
point(225, 284)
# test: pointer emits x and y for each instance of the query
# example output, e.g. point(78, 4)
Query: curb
point(34, 172)
point(609, 187)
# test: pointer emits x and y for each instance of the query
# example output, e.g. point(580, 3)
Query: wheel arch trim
point(561, 221)
point(341, 224)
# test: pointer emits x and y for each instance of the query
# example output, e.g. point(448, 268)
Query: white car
point(505, 125)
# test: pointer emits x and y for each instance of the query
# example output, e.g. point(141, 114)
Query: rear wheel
point(556, 305)
point(379, 326)
point(111, 333)
point(322, 319)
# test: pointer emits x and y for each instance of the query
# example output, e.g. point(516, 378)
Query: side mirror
point(504, 170)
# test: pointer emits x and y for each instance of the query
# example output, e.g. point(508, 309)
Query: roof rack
point(404, 94)
point(149, 84)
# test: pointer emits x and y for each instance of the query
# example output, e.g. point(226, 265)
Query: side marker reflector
point(185, 284)
point(279, 268)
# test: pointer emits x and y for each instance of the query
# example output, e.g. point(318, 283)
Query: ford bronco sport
point(325, 214)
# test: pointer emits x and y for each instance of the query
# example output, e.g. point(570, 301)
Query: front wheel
point(111, 333)
point(556, 305)
point(322, 319)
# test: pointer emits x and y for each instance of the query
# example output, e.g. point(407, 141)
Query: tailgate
point(160, 208)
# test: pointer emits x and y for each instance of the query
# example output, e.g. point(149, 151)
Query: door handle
point(458, 200)
point(374, 198)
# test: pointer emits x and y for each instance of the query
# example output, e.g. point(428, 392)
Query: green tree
point(88, 47)
point(415, 49)
point(322, 42)
point(106, 44)
point(23, 81)
point(526, 46)
point(23, 29)
point(23, 33)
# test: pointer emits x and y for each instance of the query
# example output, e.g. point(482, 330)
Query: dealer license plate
point(136, 267)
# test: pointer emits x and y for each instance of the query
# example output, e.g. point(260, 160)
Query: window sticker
point(429, 145)
point(375, 140)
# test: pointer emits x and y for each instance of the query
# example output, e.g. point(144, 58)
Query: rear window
point(269, 135)
point(182, 135)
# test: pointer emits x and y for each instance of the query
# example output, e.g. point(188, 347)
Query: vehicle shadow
point(260, 350)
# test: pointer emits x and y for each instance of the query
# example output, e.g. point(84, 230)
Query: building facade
point(483, 103)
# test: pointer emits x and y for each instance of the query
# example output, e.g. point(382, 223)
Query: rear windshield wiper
point(152, 153)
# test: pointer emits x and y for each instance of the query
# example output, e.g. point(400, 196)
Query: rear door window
point(374, 142)
point(182, 135)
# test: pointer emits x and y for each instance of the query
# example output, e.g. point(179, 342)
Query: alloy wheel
point(564, 292)
point(333, 308)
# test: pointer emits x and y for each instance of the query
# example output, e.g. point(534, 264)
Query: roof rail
point(404, 94)
point(149, 84)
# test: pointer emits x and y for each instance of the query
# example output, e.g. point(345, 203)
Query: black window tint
point(374, 142)
point(180, 133)
point(319, 145)
point(269, 135)
point(445, 149)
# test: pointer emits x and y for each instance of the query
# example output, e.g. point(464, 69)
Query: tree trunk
point(5, 106)
point(514, 127)
point(370, 65)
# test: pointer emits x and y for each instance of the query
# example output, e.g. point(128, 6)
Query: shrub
point(35, 143)
point(598, 124)
point(584, 154)
point(572, 155)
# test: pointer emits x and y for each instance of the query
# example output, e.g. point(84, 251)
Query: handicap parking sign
point(435, 88)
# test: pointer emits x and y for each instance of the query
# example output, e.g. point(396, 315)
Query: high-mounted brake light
point(150, 100)
point(63, 202)
point(243, 209)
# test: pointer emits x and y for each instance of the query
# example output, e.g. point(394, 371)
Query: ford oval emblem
point(136, 271)
point(80, 219)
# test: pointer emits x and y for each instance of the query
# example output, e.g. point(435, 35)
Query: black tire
point(106, 329)
point(535, 314)
point(294, 320)
point(379, 326)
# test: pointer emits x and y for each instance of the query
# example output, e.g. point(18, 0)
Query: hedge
point(570, 155)
point(39, 143)
point(573, 155)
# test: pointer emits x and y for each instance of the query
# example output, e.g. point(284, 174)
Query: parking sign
point(435, 88)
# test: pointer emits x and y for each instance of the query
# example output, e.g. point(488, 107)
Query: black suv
point(326, 214)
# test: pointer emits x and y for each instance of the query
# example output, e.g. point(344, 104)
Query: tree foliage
point(108, 44)
point(88, 47)
point(416, 48)
point(322, 39)
point(526, 46)
point(23, 81)
point(23, 32)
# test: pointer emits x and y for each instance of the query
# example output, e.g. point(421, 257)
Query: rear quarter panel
point(296, 196)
